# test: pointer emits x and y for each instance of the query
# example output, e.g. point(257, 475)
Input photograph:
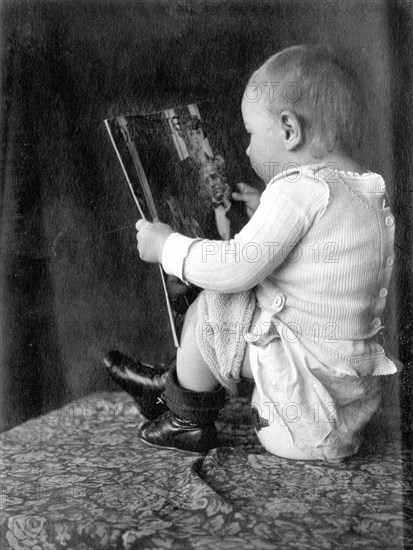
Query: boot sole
point(180, 451)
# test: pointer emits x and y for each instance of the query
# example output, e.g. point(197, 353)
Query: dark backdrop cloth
point(72, 284)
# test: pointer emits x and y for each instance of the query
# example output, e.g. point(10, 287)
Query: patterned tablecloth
point(78, 478)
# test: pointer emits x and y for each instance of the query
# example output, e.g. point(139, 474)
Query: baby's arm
point(152, 236)
point(247, 259)
point(285, 214)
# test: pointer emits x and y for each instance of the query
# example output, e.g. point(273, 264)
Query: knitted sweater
point(318, 251)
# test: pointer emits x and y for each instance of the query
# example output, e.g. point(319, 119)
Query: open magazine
point(177, 172)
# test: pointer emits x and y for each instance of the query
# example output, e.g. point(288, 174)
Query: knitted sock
point(200, 407)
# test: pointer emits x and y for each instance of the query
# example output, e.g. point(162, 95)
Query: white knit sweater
point(318, 250)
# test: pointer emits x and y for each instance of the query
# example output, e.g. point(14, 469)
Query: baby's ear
point(292, 129)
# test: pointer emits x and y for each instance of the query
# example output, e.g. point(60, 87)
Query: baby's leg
point(193, 397)
point(192, 371)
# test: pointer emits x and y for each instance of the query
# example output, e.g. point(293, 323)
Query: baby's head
point(310, 97)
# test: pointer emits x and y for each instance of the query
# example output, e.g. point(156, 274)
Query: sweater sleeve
point(174, 253)
point(286, 212)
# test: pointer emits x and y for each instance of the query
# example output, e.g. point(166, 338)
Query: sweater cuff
point(174, 252)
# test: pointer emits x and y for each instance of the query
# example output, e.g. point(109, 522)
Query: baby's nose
point(247, 152)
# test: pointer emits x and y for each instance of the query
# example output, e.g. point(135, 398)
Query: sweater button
point(279, 302)
point(389, 261)
point(376, 322)
point(389, 221)
point(383, 292)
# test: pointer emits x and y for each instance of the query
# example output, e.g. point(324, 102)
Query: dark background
point(72, 285)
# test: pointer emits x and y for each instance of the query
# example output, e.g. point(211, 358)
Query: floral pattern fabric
point(79, 479)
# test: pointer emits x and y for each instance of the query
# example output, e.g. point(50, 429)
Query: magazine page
point(179, 173)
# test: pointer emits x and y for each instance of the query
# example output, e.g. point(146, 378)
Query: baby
point(295, 300)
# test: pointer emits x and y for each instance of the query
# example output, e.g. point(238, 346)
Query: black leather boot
point(171, 432)
point(188, 426)
point(143, 382)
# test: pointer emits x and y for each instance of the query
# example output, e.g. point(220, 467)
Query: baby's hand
point(151, 237)
point(250, 195)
